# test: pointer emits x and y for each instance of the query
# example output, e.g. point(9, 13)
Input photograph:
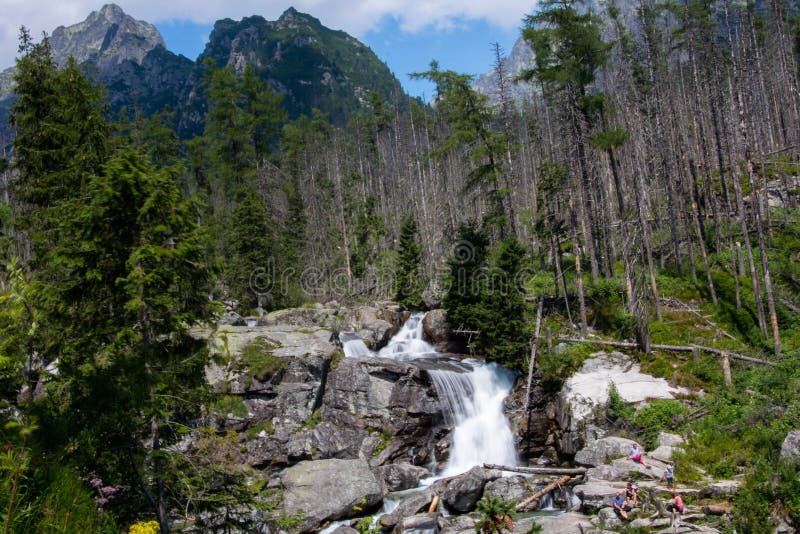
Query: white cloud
point(353, 16)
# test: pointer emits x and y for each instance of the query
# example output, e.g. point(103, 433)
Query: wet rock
point(326, 490)
point(435, 326)
point(420, 522)
point(344, 529)
point(402, 476)
point(790, 450)
point(463, 492)
point(409, 506)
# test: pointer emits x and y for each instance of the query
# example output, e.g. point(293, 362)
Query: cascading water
point(471, 393)
point(474, 405)
point(353, 346)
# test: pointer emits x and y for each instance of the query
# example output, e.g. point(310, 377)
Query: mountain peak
point(112, 13)
point(289, 14)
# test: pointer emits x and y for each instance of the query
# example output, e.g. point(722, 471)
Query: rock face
point(401, 476)
point(602, 450)
point(385, 394)
point(521, 58)
point(106, 38)
point(435, 326)
point(462, 493)
point(790, 450)
point(589, 387)
point(325, 490)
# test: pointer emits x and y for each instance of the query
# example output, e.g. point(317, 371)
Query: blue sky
point(405, 34)
point(465, 48)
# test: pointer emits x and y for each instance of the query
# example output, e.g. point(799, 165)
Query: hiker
point(632, 493)
point(637, 455)
point(621, 506)
point(669, 475)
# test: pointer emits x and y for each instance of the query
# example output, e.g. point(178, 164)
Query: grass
point(259, 361)
point(230, 404)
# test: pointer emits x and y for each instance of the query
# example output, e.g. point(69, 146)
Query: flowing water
point(471, 393)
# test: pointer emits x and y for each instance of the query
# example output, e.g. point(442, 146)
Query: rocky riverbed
point(338, 437)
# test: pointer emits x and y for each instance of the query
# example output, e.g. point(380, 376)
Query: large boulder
point(374, 330)
point(665, 439)
point(588, 389)
point(463, 492)
point(721, 489)
point(514, 488)
point(409, 506)
point(602, 450)
point(325, 490)
point(401, 476)
point(595, 495)
point(790, 450)
point(435, 326)
point(428, 523)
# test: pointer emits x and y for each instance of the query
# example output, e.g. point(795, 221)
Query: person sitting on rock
point(632, 493)
point(637, 455)
point(621, 506)
point(675, 507)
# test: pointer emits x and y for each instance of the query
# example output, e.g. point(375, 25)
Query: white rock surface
point(589, 387)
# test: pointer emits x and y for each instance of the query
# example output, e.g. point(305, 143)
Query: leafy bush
point(617, 408)
point(564, 360)
point(658, 415)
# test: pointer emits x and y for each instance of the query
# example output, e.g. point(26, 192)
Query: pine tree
point(407, 286)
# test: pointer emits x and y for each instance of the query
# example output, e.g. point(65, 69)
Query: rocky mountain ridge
point(311, 65)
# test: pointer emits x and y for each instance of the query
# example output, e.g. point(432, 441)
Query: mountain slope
point(313, 66)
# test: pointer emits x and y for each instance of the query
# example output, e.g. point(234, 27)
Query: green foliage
point(386, 439)
point(259, 362)
point(558, 364)
point(407, 282)
point(658, 415)
point(314, 419)
point(485, 293)
point(617, 409)
point(230, 404)
point(567, 43)
point(497, 514)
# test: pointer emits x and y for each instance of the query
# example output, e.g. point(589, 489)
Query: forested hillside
point(646, 192)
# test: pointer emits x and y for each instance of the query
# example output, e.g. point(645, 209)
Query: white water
point(353, 346)
point(471, 393)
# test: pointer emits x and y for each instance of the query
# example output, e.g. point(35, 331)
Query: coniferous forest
point(645, 193)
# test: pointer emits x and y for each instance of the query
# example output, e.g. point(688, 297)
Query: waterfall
point(471, 393)
point(353, 346)
point(473, 404)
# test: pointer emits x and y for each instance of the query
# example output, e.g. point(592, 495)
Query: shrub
point(657, 415)
point(496, 514)
point(260, 362)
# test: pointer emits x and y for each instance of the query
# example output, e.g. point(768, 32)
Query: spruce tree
point(407, 283)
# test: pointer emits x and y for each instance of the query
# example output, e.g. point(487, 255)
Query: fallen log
point(544, 491)
point(539, 470)
point(674, 348)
